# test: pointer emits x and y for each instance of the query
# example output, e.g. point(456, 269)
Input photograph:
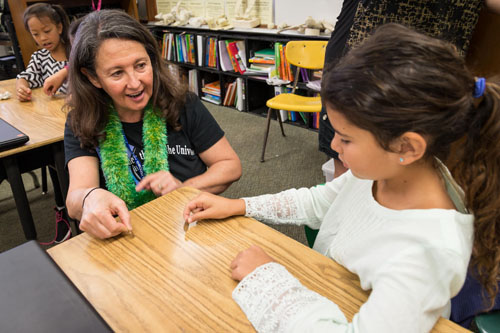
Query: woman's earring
point(401, 160)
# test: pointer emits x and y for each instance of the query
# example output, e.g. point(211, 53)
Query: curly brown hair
point(401, 81)
point(89, 105)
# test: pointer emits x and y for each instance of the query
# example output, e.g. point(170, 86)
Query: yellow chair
point(303, 54)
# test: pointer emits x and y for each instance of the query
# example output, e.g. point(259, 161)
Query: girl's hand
point(23, 92)
point(98, 211)
point(247, 261)
point(54, 82)
point(211, 206)
point(160, 183)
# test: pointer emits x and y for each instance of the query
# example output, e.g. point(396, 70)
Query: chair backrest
point(308, 54)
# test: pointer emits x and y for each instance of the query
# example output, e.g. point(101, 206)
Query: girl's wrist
point(239, 206)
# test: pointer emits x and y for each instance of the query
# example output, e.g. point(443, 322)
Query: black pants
point(325, 135)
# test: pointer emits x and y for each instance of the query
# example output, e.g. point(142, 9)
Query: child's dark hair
point(73, 27)
point(401, 81)
point(56, 14)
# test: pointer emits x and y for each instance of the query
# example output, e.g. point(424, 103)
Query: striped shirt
point(41, 66)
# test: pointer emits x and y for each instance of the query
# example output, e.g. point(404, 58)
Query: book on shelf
point(238, 62)
point(282, 69)
point(193, 81)
point(258, 72)
point(226, 94)
point(265, 67)
point(211, 92)
point(261, 61)
point(225, 62)
point(264, 53)
point(211, 53)
point(212, 88)
point(240, 94)
point(231, 54)
point(168, 46)
point(263, 56)
point(230, 94)
point(199, 49)
point(317, 74)
point(242, 54)
point(211, 98)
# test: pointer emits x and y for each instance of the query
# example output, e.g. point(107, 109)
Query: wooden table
point(42, 119)
point(164, 279)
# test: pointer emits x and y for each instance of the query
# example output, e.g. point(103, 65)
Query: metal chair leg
point(36, 183)
point(279, 120)
point(266, 134)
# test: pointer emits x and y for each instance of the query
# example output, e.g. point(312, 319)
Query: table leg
point(20, 198)
point(62, 174)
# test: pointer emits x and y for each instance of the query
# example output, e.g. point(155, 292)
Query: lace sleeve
point(280, 208)
point(295, 206)
point(273, 300)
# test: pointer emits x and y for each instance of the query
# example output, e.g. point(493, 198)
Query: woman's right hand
point(211, 206)
point(97, 216)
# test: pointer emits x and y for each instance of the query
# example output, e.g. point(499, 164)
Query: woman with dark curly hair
point(133, 132)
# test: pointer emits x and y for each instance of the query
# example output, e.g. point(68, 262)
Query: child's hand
point(211, 206)
point(23, 92)
point(54, 82)
point(247, 261)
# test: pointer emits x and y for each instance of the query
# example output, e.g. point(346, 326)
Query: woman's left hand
point(161, 182)
point(247, 261)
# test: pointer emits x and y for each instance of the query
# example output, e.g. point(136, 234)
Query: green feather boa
point(114, 159)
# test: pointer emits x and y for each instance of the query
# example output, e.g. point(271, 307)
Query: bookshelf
point(254, 90)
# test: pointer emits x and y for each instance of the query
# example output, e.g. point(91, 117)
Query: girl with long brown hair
point(402, 105)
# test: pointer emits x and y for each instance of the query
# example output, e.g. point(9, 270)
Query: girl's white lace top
point(414, 261)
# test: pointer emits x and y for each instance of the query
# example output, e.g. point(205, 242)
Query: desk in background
point(42, 119)
point(164, 279)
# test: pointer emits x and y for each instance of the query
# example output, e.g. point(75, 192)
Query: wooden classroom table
point(42, 119)
point(163, 279)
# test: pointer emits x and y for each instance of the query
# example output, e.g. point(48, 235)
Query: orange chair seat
point(292, 102)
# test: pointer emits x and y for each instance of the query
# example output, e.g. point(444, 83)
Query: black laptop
point(36, 296)
point(10, 136)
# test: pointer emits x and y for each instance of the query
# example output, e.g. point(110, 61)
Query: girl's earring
point(401, 160)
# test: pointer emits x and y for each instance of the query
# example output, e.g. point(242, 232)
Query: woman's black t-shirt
point(199, 132)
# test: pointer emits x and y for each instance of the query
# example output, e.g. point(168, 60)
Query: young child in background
point(55, 81)
point(401, 103)
point(48, 24)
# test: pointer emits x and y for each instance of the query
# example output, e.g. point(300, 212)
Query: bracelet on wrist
point(86, 195)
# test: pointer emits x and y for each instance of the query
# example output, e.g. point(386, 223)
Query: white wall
point(295, 12)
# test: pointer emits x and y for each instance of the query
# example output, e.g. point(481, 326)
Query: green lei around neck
point(115, 162)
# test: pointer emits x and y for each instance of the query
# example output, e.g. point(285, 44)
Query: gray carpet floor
point(291, 161)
